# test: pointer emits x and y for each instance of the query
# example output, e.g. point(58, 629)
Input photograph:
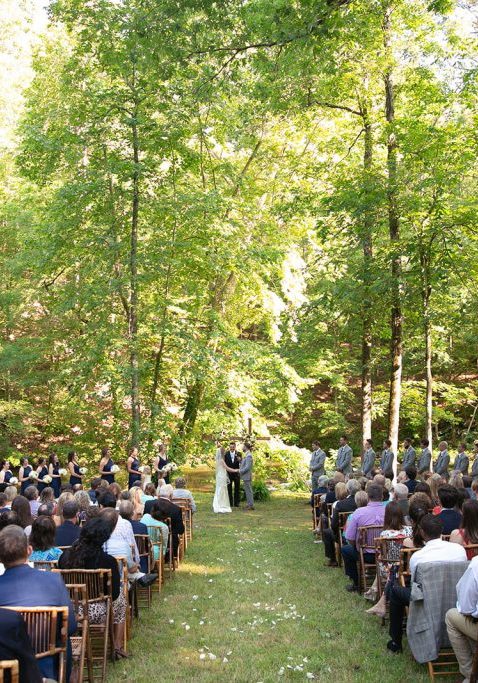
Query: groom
point(232, 460)
point(245, 471)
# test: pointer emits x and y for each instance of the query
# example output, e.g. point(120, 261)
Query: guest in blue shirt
point(22, 585)
point(449, 515)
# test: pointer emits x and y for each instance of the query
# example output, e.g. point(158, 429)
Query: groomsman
point(474, 467)
point(409, 454)
point(425, 459)
point(344, 456)
point(386, 461)
point(461, 461)
point(443, 460)
point(317, 463)
point(368, 458)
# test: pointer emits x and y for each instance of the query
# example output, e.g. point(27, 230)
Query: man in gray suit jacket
point(386, 461)
point(368, 458)
point(425, 459)
point(461, 461)
point(317, 464)
point(245, 472)
point(443, 460)
point(409, 454)
point(474, 467)
point(343, 462)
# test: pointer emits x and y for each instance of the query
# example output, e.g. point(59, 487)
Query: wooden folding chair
point(387, 550)
point(343, 517)
point(99, 592)
point(9, 666)
point(47, 628)
point(471, 550)
point(143, 543)
point(45, 565)
point(404, 565)
point(64, 547)
point(123, 570)
point(366, 545)
point(316, 518)
point(80, 644)
point(156, 540)
point(185, 505)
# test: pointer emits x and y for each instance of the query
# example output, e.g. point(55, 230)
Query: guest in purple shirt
point(370, 515)
point(31, 494)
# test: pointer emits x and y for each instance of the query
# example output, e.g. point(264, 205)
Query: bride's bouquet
point(141, 469)
point(83, 470)
point(13, 481)
point(33, 475)
point(170, 467)
point(46, 479)
point(62, 472)
point(114, 469)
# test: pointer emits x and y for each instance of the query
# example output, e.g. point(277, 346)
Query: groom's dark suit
point(232, 460)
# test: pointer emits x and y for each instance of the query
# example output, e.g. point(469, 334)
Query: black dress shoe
point(352, 588)
point(147, 580)
point(394, 647)
point(331, 563)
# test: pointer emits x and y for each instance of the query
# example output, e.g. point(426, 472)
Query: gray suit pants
point(248, 492)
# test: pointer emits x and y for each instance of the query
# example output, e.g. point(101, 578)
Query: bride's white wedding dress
point(221, 497)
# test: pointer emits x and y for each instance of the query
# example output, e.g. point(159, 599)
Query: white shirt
point(124, 531)
point(185, 493)
point(467, 590)
point(437, 551)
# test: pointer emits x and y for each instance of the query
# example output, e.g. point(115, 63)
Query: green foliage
point(260, 491)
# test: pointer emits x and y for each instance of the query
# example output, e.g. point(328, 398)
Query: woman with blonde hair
point(456, 480)
point(340, 493)
point(64, 498)
point(435, 481)
point(135, 495)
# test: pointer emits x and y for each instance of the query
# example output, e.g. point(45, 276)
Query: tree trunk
point(367, 270)
point(133, 300)
point(394, 236)
point(426, 294)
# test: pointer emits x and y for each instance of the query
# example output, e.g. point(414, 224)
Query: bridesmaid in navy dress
point(160, 461)
point(53, 471)
point(132, 466)
point(75, 475)
point(24, 475)
point(5, 472)
point(106, 463)
point(42, 471)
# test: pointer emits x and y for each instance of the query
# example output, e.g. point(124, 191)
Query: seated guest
point(400, 495)
point(181, 491)
point(126, 510)
point(3, 503)
point(321, 489)
point(361, 499)
point(22, 585)
point(156, 519)
point(123, 529)
point(115, 489)
point(21, 506)
point(434, 550)
point(135, 496)
point(462, 620)
point(149, 493)
point(449, 515)
point(411, 478)
point(170, 510)
point(474, 488)
point(467, 534)
point(419, 506)
point(68, 532)
point(42, 540)
point(64, 498)
point(87, 553)
point(372, 514)
point(331, 536)
point(47, 495)
point(423, 487)
point(467, 483)
point(46, 509)
point(11, 493)
point(93, 489)
point(32, 495)
point(83, 501)
point(15, 644)
point(435, 481)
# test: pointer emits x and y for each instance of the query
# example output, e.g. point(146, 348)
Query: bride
point(221, 496)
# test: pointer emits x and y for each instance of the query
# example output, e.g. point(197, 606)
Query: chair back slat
point(45, 565)
point(471, 550)
point(97, 582)
point(367, 536)
point(404, 564)
point(10, 666)
point(388, 549)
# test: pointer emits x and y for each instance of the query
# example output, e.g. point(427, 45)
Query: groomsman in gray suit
point(386, 461)
point(443, 460)
point(425, 459)
point(368, 458)
point(317, 464)
point(461, 461)
point(409, 454)
point(245, 472)
point(474, 467)
point(344, 456)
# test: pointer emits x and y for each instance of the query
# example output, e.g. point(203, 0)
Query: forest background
point(220, 211)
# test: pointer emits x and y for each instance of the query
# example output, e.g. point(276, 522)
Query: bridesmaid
point(160, 461)
point(42, 471)
point(53, 471)
point(5, 472)
point(24, 475)
point(106, 463)
point(132, 465)
point(75, 475)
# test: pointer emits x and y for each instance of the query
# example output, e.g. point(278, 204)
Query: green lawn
point(253, 602)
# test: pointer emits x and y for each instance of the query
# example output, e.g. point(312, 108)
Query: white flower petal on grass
point(281, 671)
point(202, 656)
point(225, 660)
point(229, 653)
point(187, 627)
point(195, 597)
point(211, 656)
point(310, 675)
point(201, 623)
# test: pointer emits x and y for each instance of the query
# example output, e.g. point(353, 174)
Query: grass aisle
point(253, 602)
